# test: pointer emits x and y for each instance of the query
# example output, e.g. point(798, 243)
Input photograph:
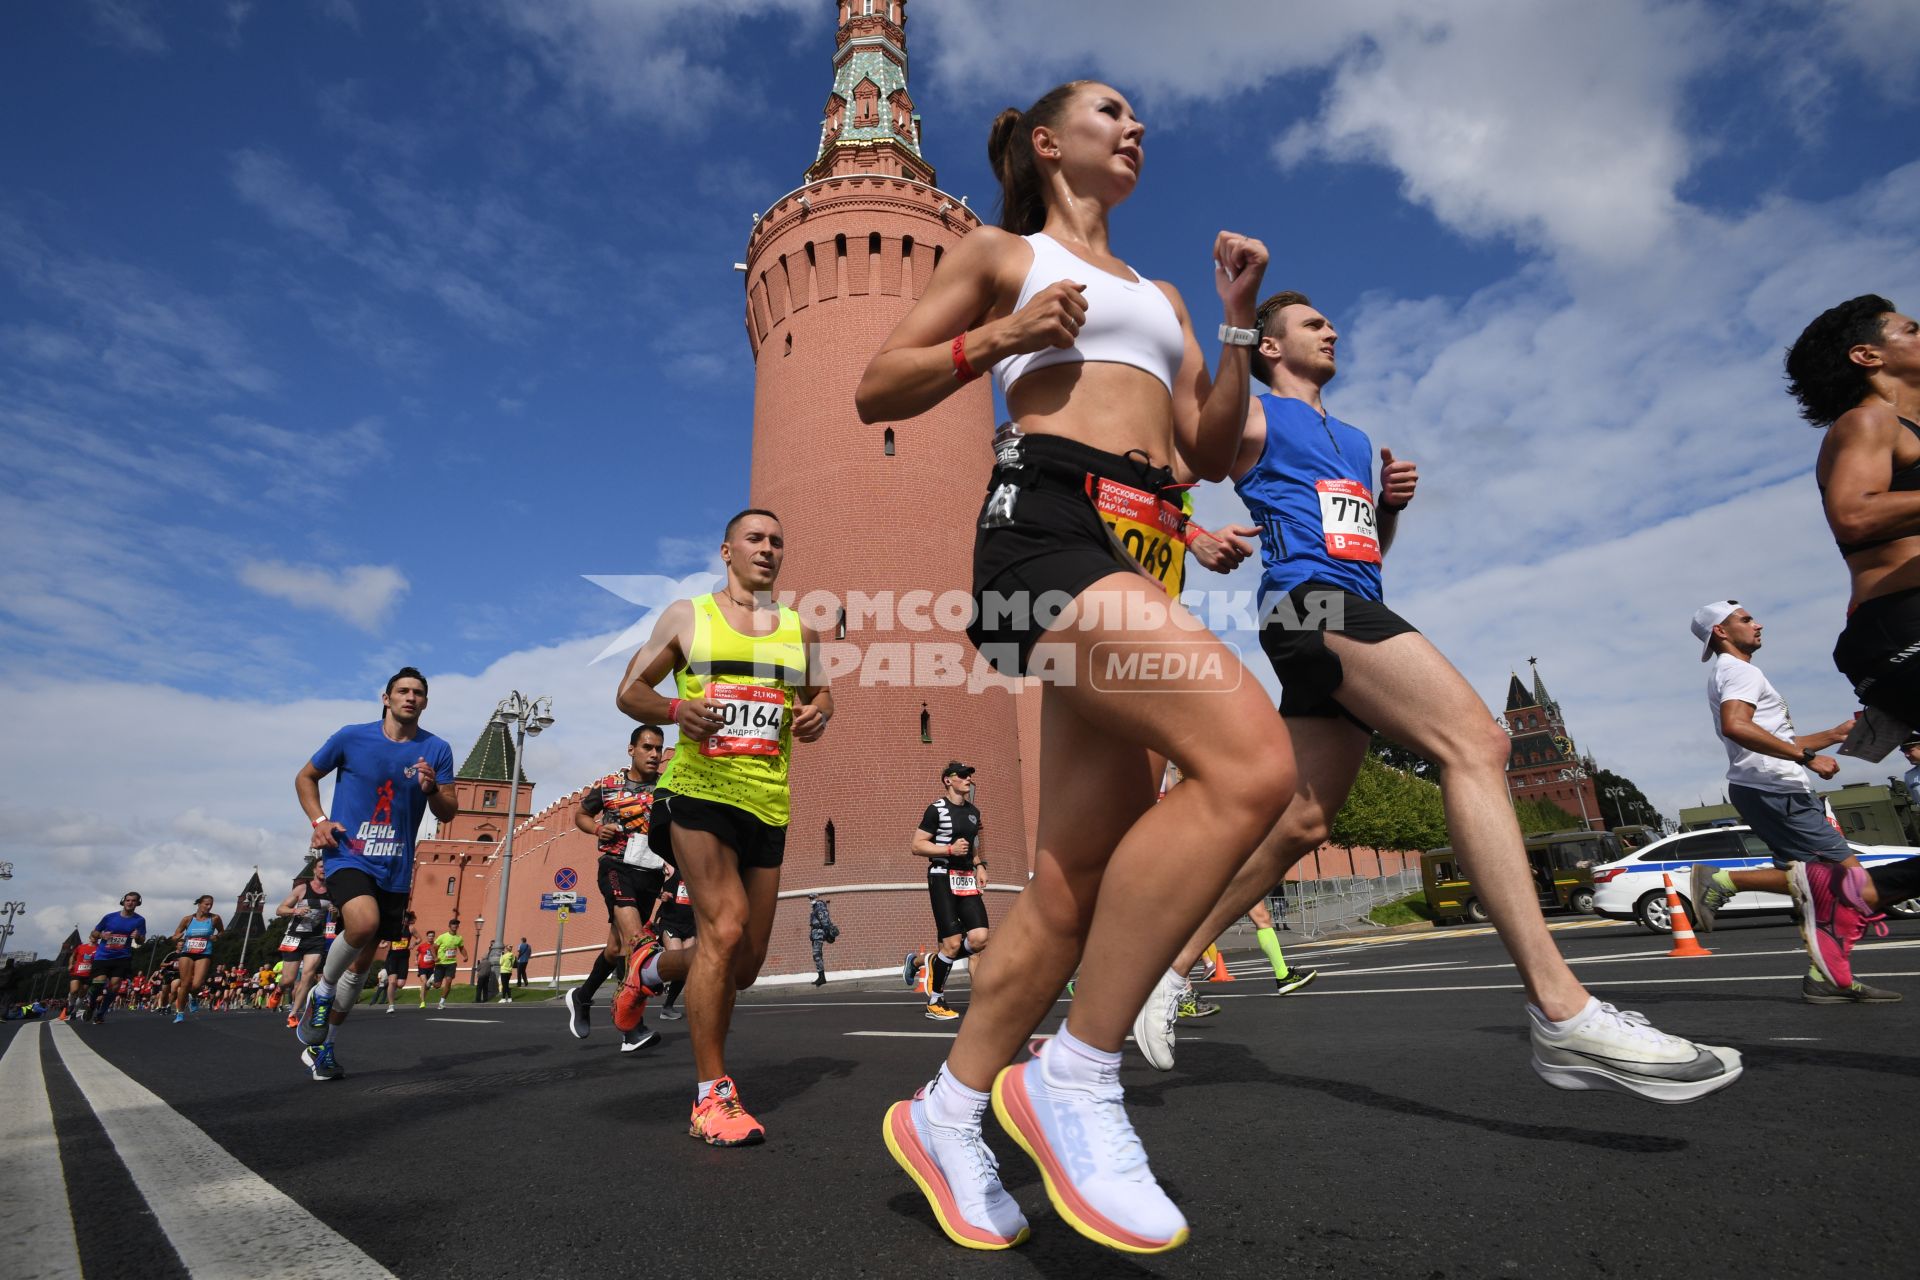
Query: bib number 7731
point(1347, 517)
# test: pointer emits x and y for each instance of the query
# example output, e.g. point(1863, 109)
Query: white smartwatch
point(1239, 337)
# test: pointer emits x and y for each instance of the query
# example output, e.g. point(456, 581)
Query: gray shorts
point(1793, 824)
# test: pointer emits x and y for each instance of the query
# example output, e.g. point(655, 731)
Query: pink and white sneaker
point(957, 1172)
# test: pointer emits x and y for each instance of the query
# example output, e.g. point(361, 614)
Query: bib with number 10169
point(1347, 517)
point(752, 716)
point(1147, 528)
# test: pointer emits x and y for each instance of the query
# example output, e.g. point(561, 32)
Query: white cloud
point(638, 59)
point(290, 201)
point(212, 795)
point(128, 24)
point(1882, 35)
point(363, 594)
point(1557, 124)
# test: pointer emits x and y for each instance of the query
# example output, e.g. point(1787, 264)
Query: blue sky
point(320, 324)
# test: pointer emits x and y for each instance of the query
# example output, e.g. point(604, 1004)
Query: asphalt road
point(1382, 1122)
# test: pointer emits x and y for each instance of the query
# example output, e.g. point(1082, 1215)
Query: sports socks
point(1270, 943)
point(938, 969)
point(601, 971)
point(346, 994)
point(674, 989)
point(705, 1087)
point(1071, 1063)
point(952, 1105)
point(650, 972)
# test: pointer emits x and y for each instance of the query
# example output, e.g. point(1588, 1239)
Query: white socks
point(952, 1105)
point(1070, 1063)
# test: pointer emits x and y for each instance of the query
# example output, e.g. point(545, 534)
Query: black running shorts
point(1293, 636)
point(955, 913)
point(110, 970)
point(1879, 653)
point(675, 922)
point(756, 843)
point(397, 964)
point(624, 885)
point(348, 883)
point(1040, 541)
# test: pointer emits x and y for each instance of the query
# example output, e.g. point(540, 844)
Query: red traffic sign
point(565, 878)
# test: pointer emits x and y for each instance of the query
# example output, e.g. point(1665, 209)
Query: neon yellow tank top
point(754, 681)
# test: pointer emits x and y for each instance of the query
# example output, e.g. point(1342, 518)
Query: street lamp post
point(526, 716)
point(10, 910)
point(250, 902)
point(1577, 776)
point(1619, 812)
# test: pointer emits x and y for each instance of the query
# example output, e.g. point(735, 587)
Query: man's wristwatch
point(1239, 337)
point(1808, 757)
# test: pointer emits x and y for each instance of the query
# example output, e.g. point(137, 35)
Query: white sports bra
point(1128, 321)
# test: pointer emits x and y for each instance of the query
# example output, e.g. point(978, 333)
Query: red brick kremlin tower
point(887, 508)
point(1542, 752)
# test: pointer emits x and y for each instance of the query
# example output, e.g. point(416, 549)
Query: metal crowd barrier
point(1315, 908)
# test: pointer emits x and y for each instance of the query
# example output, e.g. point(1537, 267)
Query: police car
point(1630, 888)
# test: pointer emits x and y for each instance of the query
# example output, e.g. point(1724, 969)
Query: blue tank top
point(1311, 493)
point(198, 929)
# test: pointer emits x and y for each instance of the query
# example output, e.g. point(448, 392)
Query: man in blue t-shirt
point(387, 776)
point(114, 939)
point(1348, 665)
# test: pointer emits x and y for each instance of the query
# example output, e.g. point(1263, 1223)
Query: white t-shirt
point(1731, 680)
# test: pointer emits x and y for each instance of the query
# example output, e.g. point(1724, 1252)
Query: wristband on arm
point(962, 371)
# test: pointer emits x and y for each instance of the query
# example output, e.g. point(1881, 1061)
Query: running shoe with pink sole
point(958, 1174)
point(1090, 1160)
point(1812, 887)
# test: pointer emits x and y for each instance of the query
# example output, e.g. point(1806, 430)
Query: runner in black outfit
point(949, 838)
point(674, 922)
point(616, 811)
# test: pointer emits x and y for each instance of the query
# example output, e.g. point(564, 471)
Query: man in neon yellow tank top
point(745, 672)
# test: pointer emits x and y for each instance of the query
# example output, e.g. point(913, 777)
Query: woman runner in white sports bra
point(1110, 391)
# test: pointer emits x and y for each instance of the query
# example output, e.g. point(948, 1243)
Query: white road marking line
point(36, 1224)
point(1796, 1039)
point(1319, 992)
point(489, 1021)
point(948, 1035)
point(210, 1205)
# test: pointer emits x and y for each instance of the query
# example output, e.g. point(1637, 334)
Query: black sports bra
point(1905, 479)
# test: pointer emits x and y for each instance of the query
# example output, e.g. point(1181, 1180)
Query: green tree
point(1622, 803)
point(1392, 754)
point(1540, 816)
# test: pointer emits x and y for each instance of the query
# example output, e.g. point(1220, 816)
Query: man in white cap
point(1767, 765)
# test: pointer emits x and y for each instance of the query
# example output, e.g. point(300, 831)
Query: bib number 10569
point(752, 715)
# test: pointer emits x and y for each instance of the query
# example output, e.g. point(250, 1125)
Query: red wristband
point(673, 710)
point(1192, 531)
point(961, 369)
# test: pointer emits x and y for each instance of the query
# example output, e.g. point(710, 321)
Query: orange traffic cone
point(1219, 962)
point(924, 983)
point(1684, 943)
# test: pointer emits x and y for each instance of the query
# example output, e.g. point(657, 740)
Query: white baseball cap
point(1706, 618)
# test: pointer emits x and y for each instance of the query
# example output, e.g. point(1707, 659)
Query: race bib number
point(116, 941)
point(332, 928)
point(291, 942)
point(83, 967)
point(753, 716)
point(638, 853)
point(1346, 515)
point(680, 898)
point(963, 884)
point(1147, 529)
point(197, 946)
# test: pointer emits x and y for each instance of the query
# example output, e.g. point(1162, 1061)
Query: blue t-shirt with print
point(117, 932)
point(377, 800)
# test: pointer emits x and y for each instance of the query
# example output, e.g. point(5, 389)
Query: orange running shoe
point(720, 1121)
point(293, 1020)
point(630, 1005)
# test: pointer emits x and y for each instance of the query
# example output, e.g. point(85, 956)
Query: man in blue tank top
point(1348, 664)
point(388, 775)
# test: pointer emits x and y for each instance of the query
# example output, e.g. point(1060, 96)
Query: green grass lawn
point(1411, 909)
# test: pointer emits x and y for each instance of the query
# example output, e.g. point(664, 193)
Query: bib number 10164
point(753, 716)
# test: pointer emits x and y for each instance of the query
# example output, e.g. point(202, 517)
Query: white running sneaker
point(1153, 1028)
point(958, 1174)
point(1607, 1048)
point(1092, 1163)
